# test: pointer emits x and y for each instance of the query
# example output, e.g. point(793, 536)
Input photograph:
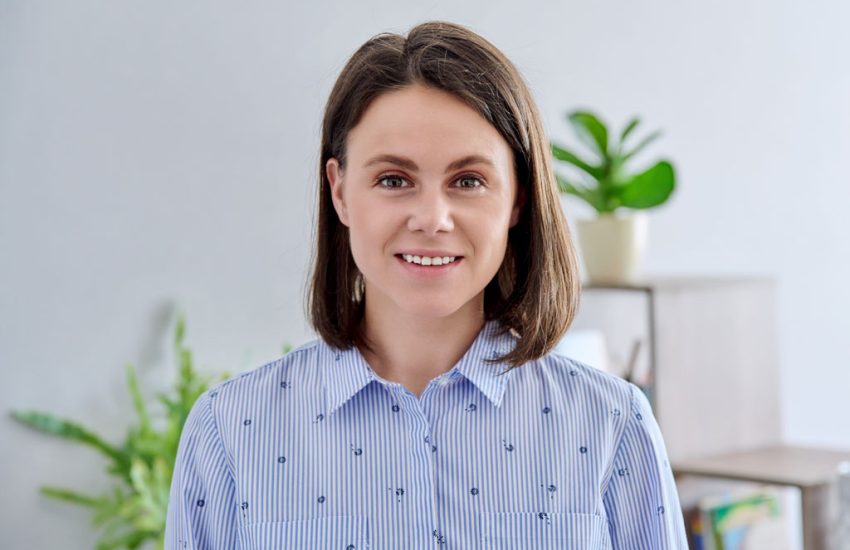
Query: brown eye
point(391, 182)
point(470, 182)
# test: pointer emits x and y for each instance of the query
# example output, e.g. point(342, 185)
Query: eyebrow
point(408, 164)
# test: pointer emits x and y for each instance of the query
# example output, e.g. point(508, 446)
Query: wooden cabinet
point(708, 358)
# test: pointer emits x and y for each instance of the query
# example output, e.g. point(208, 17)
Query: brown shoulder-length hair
point(536, 290)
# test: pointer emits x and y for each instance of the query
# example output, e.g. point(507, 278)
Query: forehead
point(421, 122)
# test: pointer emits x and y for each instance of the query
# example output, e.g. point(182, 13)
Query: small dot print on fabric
point(350, 547)
point(201, 502)
point(244, 505)
point(623, 471)
point(582, 450)
point(546, 410)
point(508, 446)
point(396, 408)
point(639, 416)
point(321, 499)
point(660, 509)
point(474, 490)
point(573, 372)
point(281, 459)
point(284, 384)
point(471, 407)
point(247, 422)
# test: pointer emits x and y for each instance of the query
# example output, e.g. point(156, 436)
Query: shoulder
point(578, 382)
point(258, 391)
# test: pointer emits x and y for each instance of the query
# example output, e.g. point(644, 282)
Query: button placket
point(420, 437)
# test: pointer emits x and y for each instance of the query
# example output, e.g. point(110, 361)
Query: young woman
point(431, 412)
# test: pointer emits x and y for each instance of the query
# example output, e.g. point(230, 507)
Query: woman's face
point(425, 176)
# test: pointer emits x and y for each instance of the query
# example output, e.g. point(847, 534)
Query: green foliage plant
point(134, 512)
point(607, 184)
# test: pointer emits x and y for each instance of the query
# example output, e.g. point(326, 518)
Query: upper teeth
point(425, 260)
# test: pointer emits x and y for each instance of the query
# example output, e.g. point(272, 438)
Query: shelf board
point(778, 464)
point(648, 283)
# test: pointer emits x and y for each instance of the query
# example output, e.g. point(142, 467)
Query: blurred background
point(161, 157)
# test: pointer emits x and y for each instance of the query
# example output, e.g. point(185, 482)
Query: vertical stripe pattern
point(315, 450)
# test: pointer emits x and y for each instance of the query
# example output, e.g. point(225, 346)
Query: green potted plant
point(614, 242)
point(134, 513)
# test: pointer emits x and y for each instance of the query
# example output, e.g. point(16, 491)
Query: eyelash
point(462, 177)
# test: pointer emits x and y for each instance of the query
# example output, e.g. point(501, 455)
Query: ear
point(519, 204)
point(334, 174)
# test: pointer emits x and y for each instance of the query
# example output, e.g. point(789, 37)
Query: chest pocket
point(331, 533)
point(565, 531)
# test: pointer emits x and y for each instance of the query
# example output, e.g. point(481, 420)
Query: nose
point(431, 212)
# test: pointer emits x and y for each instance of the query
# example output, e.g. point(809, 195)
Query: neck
point(412, 350)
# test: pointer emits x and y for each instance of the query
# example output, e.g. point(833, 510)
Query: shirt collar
point(346, 372)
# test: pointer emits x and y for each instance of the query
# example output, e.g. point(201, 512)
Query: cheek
point(370, 230)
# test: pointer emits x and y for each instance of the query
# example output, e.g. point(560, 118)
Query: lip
point(429, 253)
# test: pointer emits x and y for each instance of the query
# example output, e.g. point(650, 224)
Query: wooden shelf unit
point(710, 368)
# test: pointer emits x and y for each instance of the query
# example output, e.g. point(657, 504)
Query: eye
point(392, 181)
point(470, 181)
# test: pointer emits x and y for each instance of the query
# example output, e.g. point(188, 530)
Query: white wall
point(162, 155)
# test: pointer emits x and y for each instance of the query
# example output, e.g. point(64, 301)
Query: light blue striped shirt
point(315, 450)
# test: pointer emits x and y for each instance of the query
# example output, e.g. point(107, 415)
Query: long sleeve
point(202, 508)
point(641, 499)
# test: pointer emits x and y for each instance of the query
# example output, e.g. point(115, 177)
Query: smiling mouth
point(427, 261)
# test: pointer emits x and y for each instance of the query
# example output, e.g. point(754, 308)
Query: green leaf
point(66, 429)
point(565, 155)
point(646, 141)
point(649, 188)
point(590, 196)
point(138, 400)
point(591, 131)
point(628, 129)
point(71, 497)
point(179, 331)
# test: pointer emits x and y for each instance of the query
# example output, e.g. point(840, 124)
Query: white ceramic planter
point(613, 247)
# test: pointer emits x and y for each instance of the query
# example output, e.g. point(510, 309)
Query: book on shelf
point(747, 519)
